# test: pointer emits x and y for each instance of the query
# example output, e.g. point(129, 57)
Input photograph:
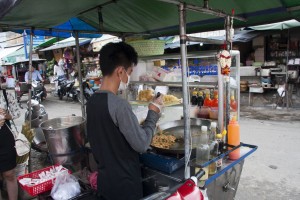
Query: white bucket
point(20, 169)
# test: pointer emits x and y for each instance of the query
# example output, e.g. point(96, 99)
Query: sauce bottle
point(203, 151)
point(215, 101)
point(207, 100)
point(200, 99)
point(214, 148)
point(194, 98)
point(234, 138)
point(233, 103)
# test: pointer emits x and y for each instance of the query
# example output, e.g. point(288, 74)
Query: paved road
point(273, 172)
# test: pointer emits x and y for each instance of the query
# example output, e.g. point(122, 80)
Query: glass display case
point(163, 74)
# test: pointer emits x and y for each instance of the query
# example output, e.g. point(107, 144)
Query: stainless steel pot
point(65, 138)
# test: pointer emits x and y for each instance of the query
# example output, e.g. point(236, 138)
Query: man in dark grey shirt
point(115, 136)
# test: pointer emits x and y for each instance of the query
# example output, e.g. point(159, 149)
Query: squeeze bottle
point(234, 138)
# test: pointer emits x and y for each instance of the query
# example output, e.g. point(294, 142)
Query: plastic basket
point(39, 188)
point(162, 163)
point(148, 47)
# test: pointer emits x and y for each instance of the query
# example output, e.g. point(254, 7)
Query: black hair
point(113, 55)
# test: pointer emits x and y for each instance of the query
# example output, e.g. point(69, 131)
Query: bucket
point(65, 138)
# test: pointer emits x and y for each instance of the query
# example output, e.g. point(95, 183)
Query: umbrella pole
point(287, 88)
point(30, 77)
point(183, 51)
point(79, 74)
point(29, 92)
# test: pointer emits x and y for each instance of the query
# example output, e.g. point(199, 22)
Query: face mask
point(123, 86)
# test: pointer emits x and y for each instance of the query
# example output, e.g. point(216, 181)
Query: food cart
point(228, 177)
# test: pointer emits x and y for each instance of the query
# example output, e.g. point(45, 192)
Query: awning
point(6, 51)
point(12, 57)
point(147, 17)
point(69, 42)
point(276, 26)
point(65, 30)
point(98, 43)
point(48, 43)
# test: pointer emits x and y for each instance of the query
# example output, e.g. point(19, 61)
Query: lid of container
point(213, 124)
point(204, 128)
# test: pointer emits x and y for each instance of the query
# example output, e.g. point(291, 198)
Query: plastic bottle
point(214, 152)
point(219, 163)
point(233, 103)
point(194, 99)
point(213, 131)
point(207, 100)
point(215, 101)
point(234, 138)
point(200, 99)
point(203, 151)
point(214, 148)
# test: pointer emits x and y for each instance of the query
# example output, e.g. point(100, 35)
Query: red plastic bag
point(93, 180)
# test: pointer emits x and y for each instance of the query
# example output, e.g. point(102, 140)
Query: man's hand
point(157, 104)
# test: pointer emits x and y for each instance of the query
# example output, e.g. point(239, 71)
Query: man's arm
point(139, 137)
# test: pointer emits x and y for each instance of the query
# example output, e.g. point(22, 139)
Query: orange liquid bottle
point(207, 100)
point(215, 101)
point(233, 103)
point(234, 138)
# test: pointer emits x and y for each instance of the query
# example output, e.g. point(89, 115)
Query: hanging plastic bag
point(65, 187)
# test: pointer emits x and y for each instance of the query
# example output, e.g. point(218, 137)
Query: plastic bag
point(93, 180)
point(65, 187)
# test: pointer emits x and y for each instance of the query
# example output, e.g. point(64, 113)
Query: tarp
point(276, 26)
point(98, 43)
point(12, 57)
point(69, 42)
point(6, 51)
point(152, 17)
point(48, 43)
point(64, 30)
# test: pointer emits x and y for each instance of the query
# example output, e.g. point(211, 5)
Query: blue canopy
point(65, 30)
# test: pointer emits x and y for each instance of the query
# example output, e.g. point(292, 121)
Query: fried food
point(161, 140)
point(146, 95)
point(170, 99)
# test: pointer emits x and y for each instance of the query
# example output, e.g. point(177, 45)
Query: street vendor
point(114, 133)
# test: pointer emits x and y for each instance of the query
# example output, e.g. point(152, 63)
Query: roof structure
point(148, 17)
